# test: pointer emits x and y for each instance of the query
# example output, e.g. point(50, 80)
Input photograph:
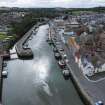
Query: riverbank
point(38, 81)
point(25, 52)
point(87, 90)
point(21, 51)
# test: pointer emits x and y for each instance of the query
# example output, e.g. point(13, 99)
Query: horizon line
point(49, 7)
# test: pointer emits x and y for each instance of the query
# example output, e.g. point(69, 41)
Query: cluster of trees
point(95, 9)
point(33, 16)
point(20, 28)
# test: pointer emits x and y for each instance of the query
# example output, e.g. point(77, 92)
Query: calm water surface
point(38, 81)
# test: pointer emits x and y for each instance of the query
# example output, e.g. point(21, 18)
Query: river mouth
point(38, 81)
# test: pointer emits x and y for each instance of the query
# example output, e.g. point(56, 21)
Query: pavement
point(94, 89)
point(21, 51)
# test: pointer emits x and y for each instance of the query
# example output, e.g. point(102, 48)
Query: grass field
point(5, 37)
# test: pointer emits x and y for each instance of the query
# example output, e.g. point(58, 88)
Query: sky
point(52, 3)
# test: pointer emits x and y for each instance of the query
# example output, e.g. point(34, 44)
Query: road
point(96, 89)
point(38, 81)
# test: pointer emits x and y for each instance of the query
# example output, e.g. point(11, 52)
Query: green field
point(5, 37)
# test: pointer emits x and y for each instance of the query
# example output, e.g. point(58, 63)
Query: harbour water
point(38, 81)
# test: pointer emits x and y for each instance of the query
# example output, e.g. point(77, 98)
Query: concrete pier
point(26, 53)
point(21, 51)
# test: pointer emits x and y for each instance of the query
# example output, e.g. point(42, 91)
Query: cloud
point(52, 3)
point(7, 1)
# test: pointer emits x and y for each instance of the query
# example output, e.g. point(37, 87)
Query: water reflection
point(38, 81)
point(39, 38)
point(42, 67)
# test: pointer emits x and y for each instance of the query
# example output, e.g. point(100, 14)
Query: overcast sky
point(52, 3)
